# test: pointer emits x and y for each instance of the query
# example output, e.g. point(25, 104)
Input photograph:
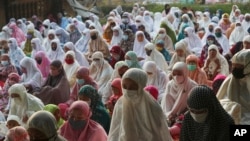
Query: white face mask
point(161, 36)
point(200, 118)
point(130, 93)
point(179, 79)
point(129, 63)
point(97, 63)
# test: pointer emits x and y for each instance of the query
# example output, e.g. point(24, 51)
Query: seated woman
point(156, 77)
point(132, 60)
point(137, 116)
point(204, 52)
point(6, 68)
point(90, 95)
point(139, 43)
point(70, 66)
point(42, 126)
point(5, 103)
point(82, 78)
point(154, 55)
point(127, 41)
point(31, 77)
point(56, 88)
point(80, 127)
point(180, 55)
point(201, 122)
point(36, 47)
point(215, 63)
point(116, 94)
point(54, 109)
point(100, 71)
point(174, 101)
point(56, 52)
point(42, 63)
point(23, 104)
point(195, 72)
point(117, 54)
point(97, 43)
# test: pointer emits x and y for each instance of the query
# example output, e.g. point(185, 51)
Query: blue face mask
point(125, 37)
point(80, 81)
point(77, 124)
point(5, 63)
point(129, 63)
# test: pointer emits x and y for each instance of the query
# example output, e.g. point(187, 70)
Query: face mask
point(125, 37)
point(5, 63)
point(69, 61)
point(116, 57)
point(29, 36)
point(238, 73)
point(191, 67)
point(218, 34)
point(125, 20)
point(178, 79)
point(129, 63)
point(80, 81)
point(77, 124)
point(200, 118)
point(147, 17)
point(39, 61)
point(185, 20)
point(130, 93)
point(218, 15)
point(210, 29)
point(97, 63)
point(93, 37)
point(238, 27)
point(210, 42)
point(205, 18)
point(159, 48)
point(161, 36)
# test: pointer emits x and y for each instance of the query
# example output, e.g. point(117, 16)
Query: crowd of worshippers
point(171, 75)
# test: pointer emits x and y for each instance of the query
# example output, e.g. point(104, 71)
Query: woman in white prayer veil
point(78, 55)
point(56, 52)
point(157, 23)
point(95, 20)
point(236, 86)
point(180, 55)
point(47, 41)
point(246, 22)
point(139, 43)
point(174, 101)
point(156, 56)
point(5, 34)
point(237, 35)
point(22, 25)
point(46, 24)
point(156, 77)
point(206, 20)
point(36, 46)
point(100, 71)
point(31, 77)
point(148, 21)
point(139, 20)
point(117, 36)
point(137, 116)
point(79, 25)
point(193, 41)
point(82, 43)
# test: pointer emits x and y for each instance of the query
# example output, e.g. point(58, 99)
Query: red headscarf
point(116, 50)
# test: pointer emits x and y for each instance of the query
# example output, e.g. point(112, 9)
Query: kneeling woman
point(56, 88)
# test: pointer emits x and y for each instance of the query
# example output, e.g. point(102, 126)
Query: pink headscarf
point(152, 90)
point(18, 134)
point(17, 33)
point(44, 67)
point(92, 130)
